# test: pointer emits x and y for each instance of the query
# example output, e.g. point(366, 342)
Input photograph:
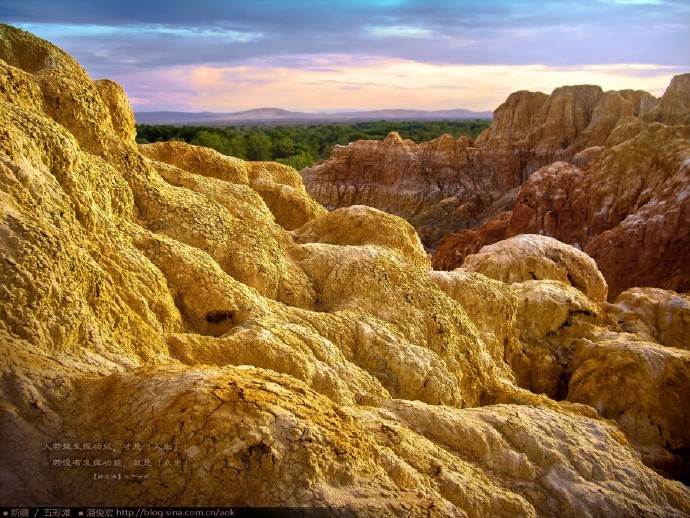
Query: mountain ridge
point(271, 114)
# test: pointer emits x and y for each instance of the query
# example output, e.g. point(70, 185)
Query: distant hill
point(277, 115)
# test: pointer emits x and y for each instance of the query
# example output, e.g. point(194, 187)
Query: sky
point(309, 55)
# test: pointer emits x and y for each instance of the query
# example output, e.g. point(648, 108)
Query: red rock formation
point(543, 129)
point(453, 248)
point(619, 190)
point(674, 106)
point(629, 209)
point(447, 185)
point(435, 185)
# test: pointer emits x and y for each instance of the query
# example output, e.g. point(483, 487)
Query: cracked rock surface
point(182, 328)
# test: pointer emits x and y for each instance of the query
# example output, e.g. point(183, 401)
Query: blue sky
point(361, 54)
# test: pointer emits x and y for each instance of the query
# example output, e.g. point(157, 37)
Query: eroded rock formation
point(183, 328)
point(629, 208)
point(573, 345)
point(607, 172)
point(452, 249)
point(436, 186)
point(449, 184)
point(661, 315)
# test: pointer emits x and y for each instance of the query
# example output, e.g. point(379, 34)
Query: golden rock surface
point(661, 316)
point(534, 257)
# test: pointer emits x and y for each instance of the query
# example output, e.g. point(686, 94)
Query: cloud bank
point(313, 55)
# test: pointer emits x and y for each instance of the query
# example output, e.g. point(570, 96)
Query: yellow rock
point(491, 306)
point(549, 315)
point(641, 385)
point(530, 256)
point(658, 315)
point(361, 225)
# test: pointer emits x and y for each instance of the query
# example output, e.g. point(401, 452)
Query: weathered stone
point(361, 225)
point(640, 385)
point(549, 315)
point(658, 315)
point(628, 209)
point(452, 250)
point(434, 186)
point(490, 304)
point(529, 256)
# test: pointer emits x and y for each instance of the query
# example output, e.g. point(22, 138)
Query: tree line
point(300, 146)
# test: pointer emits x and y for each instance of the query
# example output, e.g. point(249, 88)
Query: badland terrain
point(606, 172)
point(179, 327)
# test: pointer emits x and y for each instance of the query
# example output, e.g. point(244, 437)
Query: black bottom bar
point(175, 512)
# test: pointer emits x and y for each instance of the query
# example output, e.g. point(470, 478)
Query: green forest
point(300, 146)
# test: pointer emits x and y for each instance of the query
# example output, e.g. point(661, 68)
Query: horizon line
point(329, 111)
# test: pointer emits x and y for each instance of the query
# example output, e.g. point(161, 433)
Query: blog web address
point(145, 512)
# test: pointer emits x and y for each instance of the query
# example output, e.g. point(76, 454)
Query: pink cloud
point(341, 82)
